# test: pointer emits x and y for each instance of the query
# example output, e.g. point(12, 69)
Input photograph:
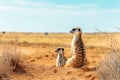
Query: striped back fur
point(80, 55)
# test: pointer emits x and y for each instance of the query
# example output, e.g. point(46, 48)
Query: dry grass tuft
point(109, 68)
point(9, 60)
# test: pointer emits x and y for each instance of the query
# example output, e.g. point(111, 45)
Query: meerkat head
point(59, 50)
point(76, 31)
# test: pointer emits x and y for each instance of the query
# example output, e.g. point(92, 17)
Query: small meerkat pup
point(78, 56)
point(61, 59)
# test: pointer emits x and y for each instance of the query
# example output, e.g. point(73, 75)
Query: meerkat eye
point(78, 29)
point(62, 49)
point(58, 49)
point(73, 29)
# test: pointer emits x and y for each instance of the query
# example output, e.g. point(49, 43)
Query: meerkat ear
point(78, 29)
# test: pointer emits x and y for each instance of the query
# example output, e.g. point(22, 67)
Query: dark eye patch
point(58, 49)
point(73, 29)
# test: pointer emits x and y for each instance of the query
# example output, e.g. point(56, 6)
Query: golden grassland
point(39, 57)
point(58, 38)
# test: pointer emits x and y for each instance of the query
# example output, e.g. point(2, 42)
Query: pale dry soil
point(39, 59)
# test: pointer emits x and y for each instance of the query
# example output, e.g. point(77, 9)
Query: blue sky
point(59, 15)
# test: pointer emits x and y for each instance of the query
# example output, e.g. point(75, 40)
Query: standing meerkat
point(78, 56)
point(61, 59)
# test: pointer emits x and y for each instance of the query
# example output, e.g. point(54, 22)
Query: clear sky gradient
point(59, 15)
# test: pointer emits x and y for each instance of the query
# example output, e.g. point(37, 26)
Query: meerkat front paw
point(67, 65)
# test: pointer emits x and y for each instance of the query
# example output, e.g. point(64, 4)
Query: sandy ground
point(38, 60)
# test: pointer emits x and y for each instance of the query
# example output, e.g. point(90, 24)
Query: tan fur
point(78, 56)
point(61, 59)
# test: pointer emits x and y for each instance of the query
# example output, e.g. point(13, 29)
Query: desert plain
point(38, 57)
